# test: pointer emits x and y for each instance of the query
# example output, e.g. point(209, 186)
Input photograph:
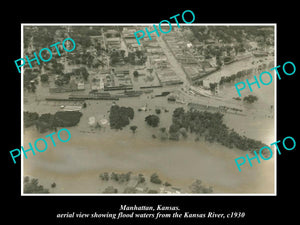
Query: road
point(174, 63)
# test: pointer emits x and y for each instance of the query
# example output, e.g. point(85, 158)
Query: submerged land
point(163, 117)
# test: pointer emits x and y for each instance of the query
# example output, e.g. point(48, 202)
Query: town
point(120, 98)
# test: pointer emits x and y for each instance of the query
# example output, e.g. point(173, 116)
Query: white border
point(148, 24)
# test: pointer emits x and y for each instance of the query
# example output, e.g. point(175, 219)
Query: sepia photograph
point(142, 109)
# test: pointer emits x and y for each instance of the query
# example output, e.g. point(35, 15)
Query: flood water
point(75, 166)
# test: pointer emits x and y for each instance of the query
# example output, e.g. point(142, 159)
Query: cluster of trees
point(250, 99)
point(197, 187)
point(64, 78)
point(124, 178)
point(119, 116)
point(45, 122)
point(42, 37)
point(81, 71)
point(211, 127)
point(84, 58)
point(163, 134)
point(32, 186)
point(57, 67)
point(238, 75)
point(117, 56)
point(212, 86)
point(152, 120)
point(67, 118)
point(79, 35)
point(30, 118)
point(112, 190)
point(44, 78)
point(134, 58)
point(49, 121)
point(155, 179)
point(120, 178)
point(30, 80)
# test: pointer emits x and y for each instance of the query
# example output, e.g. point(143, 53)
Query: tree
point(152, 120)
point(85, 74)
point(59, 82)
point(44, 78)
point(104, 176)
point(122, 53)
point(140, 179)
point(133, 128)
point(135, 73)
point(114, 176)
point(197, 187)
point(174, 128)
point(157, 111)
point(167, 184)
point(57, 68)
point(84, 105)
point(124, 177)
point(155, 179)
point(53, 185)
point(250, 99)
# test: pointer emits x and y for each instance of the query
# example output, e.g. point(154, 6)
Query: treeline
point(238, 75)
point(32, 186)
point(211, 127)
point(119, 116)
point(49, 121)
point(139, 183)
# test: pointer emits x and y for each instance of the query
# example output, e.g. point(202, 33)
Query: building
point(80, 85)
point(168, 77)
point(113, 43)
point(71, 108)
